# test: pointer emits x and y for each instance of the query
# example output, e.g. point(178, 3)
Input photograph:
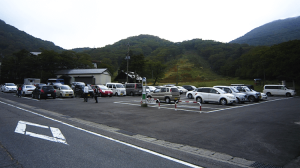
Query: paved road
point(251, 134)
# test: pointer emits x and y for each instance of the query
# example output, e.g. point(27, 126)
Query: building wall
point(97, 79)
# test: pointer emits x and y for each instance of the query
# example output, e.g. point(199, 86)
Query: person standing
point(96, 94)
point(86, 92)
point(19, 91)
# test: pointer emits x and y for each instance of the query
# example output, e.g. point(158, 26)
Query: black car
point(78, 91)
point(44, 92)
point(189, 87)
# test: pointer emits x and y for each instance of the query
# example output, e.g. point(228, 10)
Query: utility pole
point(127, 58)
point(177, 76)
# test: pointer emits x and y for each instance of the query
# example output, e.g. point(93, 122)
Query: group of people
point(86, 92)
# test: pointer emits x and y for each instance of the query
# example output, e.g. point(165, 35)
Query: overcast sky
point(96, 23)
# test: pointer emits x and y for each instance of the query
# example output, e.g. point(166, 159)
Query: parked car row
point(226, 94)
point(236, 93)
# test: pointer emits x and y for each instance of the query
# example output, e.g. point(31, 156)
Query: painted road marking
point(57, 135)
point(109, 138)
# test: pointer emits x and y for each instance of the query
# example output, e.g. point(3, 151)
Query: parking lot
point(264, 132)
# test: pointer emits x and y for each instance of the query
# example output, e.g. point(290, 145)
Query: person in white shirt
point(86, 92)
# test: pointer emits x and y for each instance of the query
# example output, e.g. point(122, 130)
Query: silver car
point(166, 94)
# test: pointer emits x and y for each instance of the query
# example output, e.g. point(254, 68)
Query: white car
point(208, 94)
point(118, 89)
point(9, 87)
point(263, 96)
point(241, 97)
point(181, 89)
point(63, 91)
point(191, 94)
point(151, 88)
point(27, 89)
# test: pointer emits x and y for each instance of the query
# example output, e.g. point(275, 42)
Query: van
point(116, 88)
point(281, 90)
point(134, 89)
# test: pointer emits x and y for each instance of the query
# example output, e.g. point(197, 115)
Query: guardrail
point(186, 102)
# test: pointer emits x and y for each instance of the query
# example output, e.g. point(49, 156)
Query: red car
point(103, 90)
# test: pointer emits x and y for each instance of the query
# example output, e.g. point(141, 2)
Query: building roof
point(81, 71)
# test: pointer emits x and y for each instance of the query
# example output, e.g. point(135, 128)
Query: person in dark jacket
point(19, 91)
point(96, 93)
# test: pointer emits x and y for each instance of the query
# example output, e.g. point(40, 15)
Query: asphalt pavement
point(251, 134)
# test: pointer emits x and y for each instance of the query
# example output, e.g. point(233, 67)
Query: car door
point(156, 93)
point(281, 90)
point(204, 94)
point(162, 93)
point(213, 95)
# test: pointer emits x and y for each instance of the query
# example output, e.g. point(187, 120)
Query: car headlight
point(231, 97)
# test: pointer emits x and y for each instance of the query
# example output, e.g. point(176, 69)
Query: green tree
point(157, 69)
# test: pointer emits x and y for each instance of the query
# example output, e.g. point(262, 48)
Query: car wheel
point(198, 99)
point(167, 99)
point(190, 96)
point(288, 95)
point(39, 96)
point(149, 97)
point(238, 101)
point(131, 94)
point(251, 98)
point(269, 94)
point(60, 96)
point(32, 95)
point(54, 97)
point(23, 94)
point(223, 101)
point(116, 94)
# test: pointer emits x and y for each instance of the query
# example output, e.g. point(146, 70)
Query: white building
point(88, 76)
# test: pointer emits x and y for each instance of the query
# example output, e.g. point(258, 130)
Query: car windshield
point(30, 86)
point(247, 89)
point(103, 88)
point(10, 84)
point(65, 88)
point(119, 86)
point(235, 90)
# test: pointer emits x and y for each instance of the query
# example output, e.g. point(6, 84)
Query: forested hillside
point(205, 59)
point(12, 40)
point(150, 56)
point(275, 32)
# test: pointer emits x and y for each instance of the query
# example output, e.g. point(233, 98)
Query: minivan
point(117, 88)
point(134, 88)
point(281, 90)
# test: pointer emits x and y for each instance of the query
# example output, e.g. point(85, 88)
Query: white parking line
point(213, 111)
point(179, 107)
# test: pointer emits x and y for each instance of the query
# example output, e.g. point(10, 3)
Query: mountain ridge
point(12, 40)
point(272, 33)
